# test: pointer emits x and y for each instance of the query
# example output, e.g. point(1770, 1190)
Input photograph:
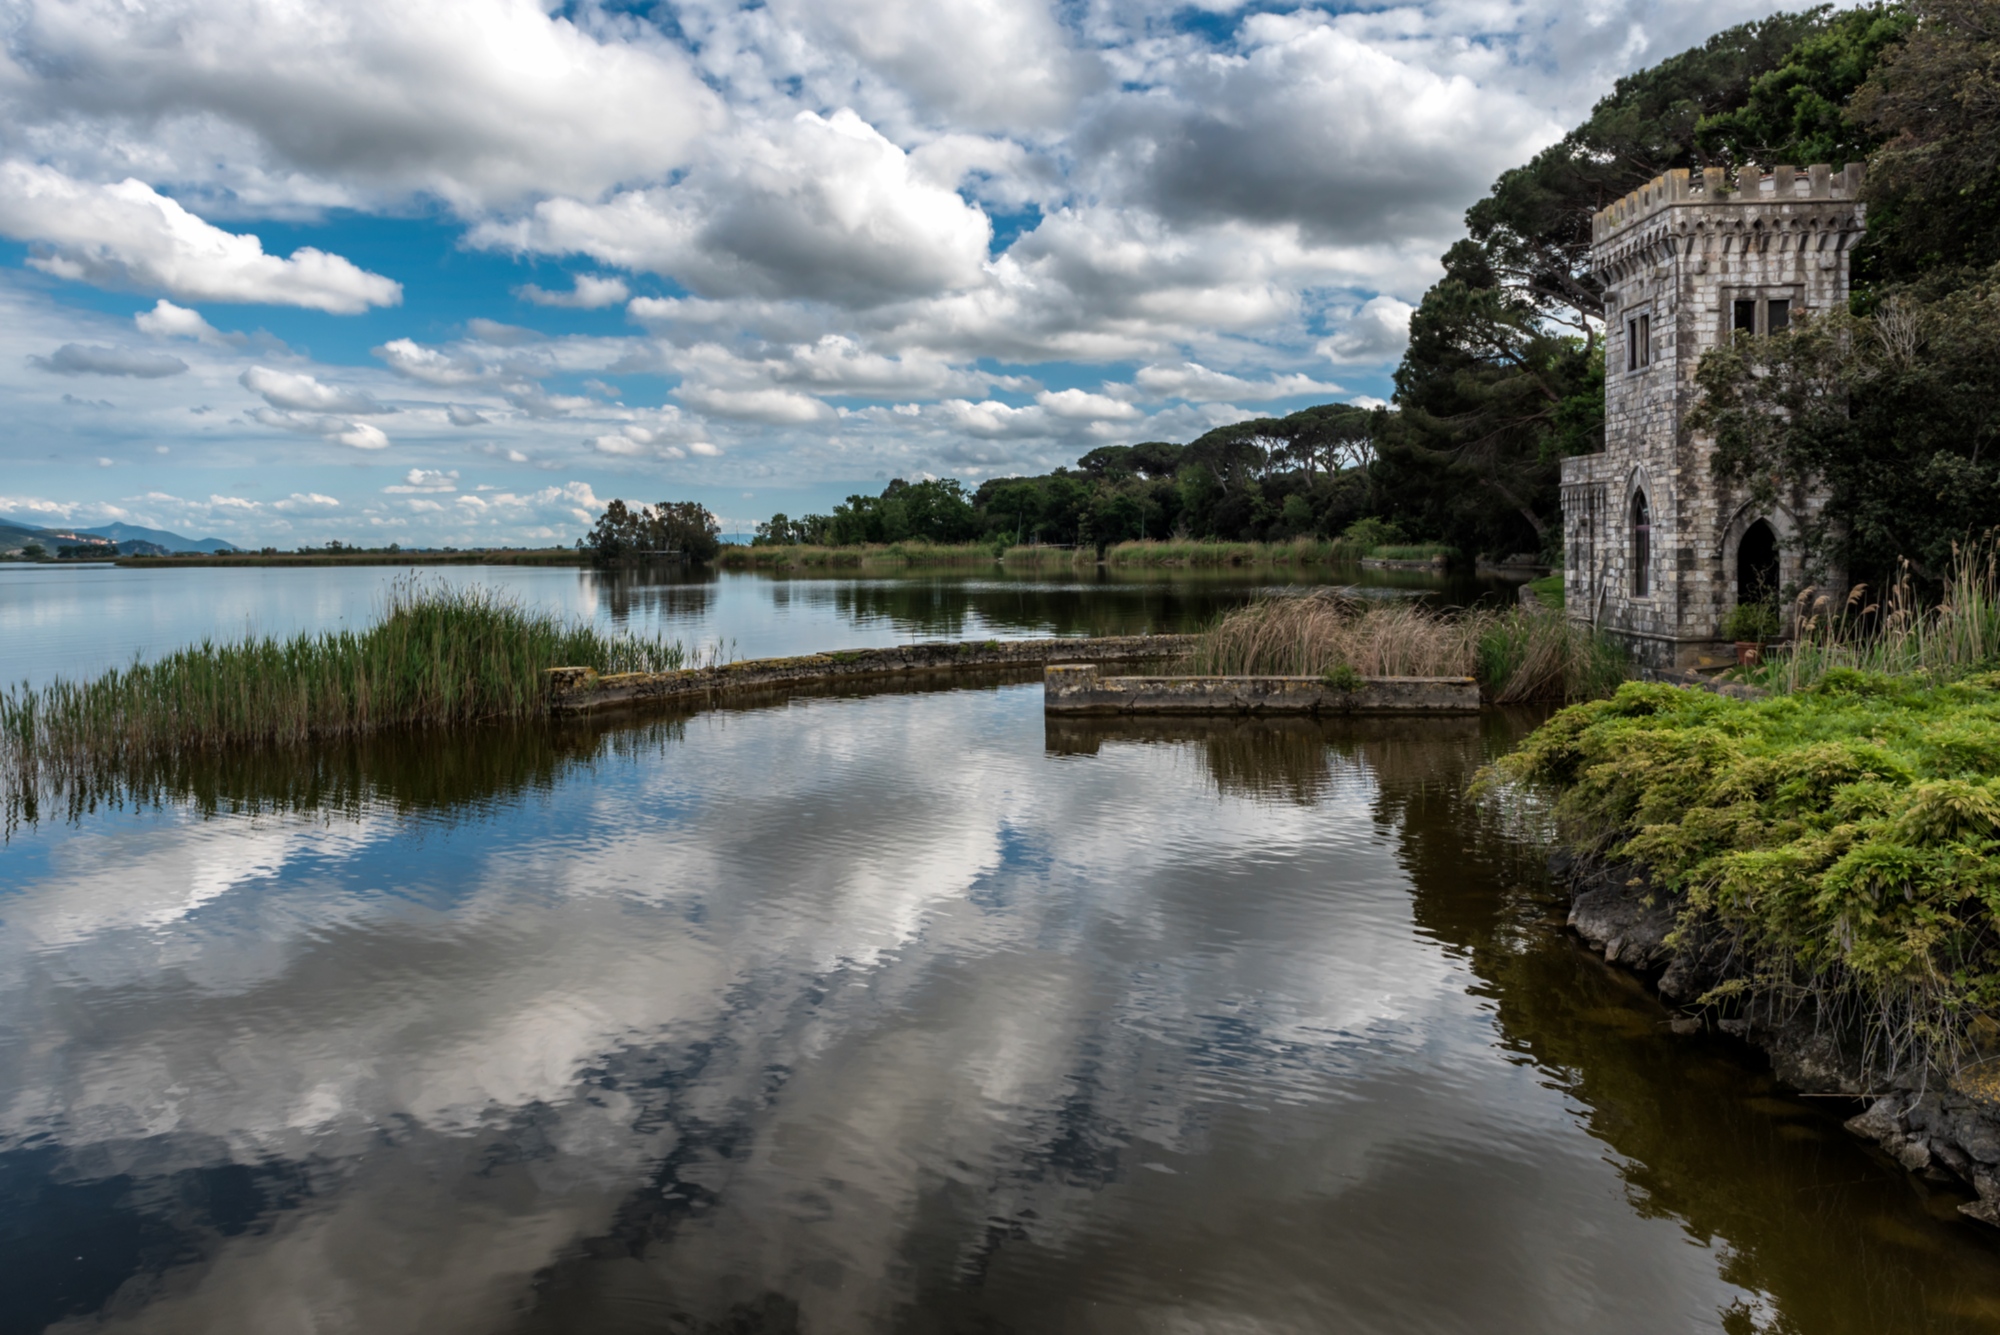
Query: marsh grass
point(1901, 635)
point(437, 656)
point(1518, 655)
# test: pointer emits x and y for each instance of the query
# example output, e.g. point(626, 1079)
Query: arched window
point(1642, 546)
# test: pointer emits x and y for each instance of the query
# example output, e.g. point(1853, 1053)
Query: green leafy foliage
point(1895, 413)
point(677, 528)
point(1800, 112)
point(1845, 838)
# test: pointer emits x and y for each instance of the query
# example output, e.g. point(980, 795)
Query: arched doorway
point(1757, 564)
point(1642, 545)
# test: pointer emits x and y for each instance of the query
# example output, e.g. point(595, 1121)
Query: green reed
point(436, 657)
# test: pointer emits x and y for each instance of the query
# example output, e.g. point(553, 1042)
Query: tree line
point(1891, 403)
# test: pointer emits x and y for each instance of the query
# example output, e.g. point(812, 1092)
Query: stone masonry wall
point(1681, 252)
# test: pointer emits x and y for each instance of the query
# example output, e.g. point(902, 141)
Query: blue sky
point(458, 273)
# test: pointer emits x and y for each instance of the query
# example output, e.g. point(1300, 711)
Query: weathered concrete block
point(1080, 688)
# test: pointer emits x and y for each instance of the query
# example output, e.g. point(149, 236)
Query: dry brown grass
point(1518, 655)
point(1304, 637)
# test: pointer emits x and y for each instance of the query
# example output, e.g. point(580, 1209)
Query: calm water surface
point(905, 1012)
point(77, 621)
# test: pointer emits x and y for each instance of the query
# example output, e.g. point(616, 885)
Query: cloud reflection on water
point(859, 1012)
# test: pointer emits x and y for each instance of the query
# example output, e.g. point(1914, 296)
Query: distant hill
point(132, 540)
point(159, 537)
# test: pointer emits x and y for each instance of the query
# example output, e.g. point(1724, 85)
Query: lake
point(65, 620)
point(896, 1010)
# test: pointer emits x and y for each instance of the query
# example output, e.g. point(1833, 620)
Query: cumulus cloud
point(1313, 127)
point(1083, 405)
point(776, 406)
point(128, 235)
point(285, 389)
point(1199, 384)
point(1378, 330)
point(77, 359)
point(341, 431)
point(590, 292)
point(823, 208)
point(458, 414)
point(407, 357)
point(475, 101)
point(306, 502)
point(425, 479)
point(167, 320)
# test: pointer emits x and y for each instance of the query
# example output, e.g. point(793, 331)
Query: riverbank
point(1148, 554)
point(1812, 872)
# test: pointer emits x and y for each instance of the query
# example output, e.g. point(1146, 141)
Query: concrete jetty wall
point(1079, 688)
point(577, 690)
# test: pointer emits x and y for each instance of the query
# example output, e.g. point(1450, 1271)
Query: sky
point(459, 272)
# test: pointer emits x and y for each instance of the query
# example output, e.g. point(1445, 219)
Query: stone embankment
point(576, 690)
point(1079, 688)
point(1946, 1129)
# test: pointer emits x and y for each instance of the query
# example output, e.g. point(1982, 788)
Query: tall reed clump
point(1902, 634)
point(1518, 655)
point(1198, 553)
point(437, 656)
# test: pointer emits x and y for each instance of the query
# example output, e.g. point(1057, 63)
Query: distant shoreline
point(552, 556)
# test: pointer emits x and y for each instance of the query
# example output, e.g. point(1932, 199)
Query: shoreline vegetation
point(1830, 851)
point(1150, 553)
point(550, 556)
point(1519, 655)
point(436, 657)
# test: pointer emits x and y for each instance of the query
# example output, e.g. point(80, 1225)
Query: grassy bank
point(1161, 553)
point(896, 555)
point(437, 656)
point(1846, 837)
point(1518, 655)
point(1842, 835)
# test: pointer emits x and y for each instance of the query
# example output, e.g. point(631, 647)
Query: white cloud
point(347, 101)
point(459, 414)
point(425, 479)
point(77, 359)
point(358, 435)
point(130, 236)
point(284, 389)
point(776, 406)
point(1083, 405)
point(591, 292)
point(819, 207)
point(167, 320)
point(407, 357)
point(703, 448)
point(1197, 383)
point(303, 502)
point(1377, 331)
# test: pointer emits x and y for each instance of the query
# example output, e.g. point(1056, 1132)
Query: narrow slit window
point(1642, 545)
point(1638, 342)
point(1745, 321)
point(1777, 314)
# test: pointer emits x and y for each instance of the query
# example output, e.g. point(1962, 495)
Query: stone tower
point(1656, 553)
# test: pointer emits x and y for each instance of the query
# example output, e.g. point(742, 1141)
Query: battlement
point(1713, 187)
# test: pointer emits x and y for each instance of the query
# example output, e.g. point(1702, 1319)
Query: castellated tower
point(1657, 554)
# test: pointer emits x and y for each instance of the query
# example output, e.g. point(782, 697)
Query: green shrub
point(1845, 839)
point(1753, 622)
